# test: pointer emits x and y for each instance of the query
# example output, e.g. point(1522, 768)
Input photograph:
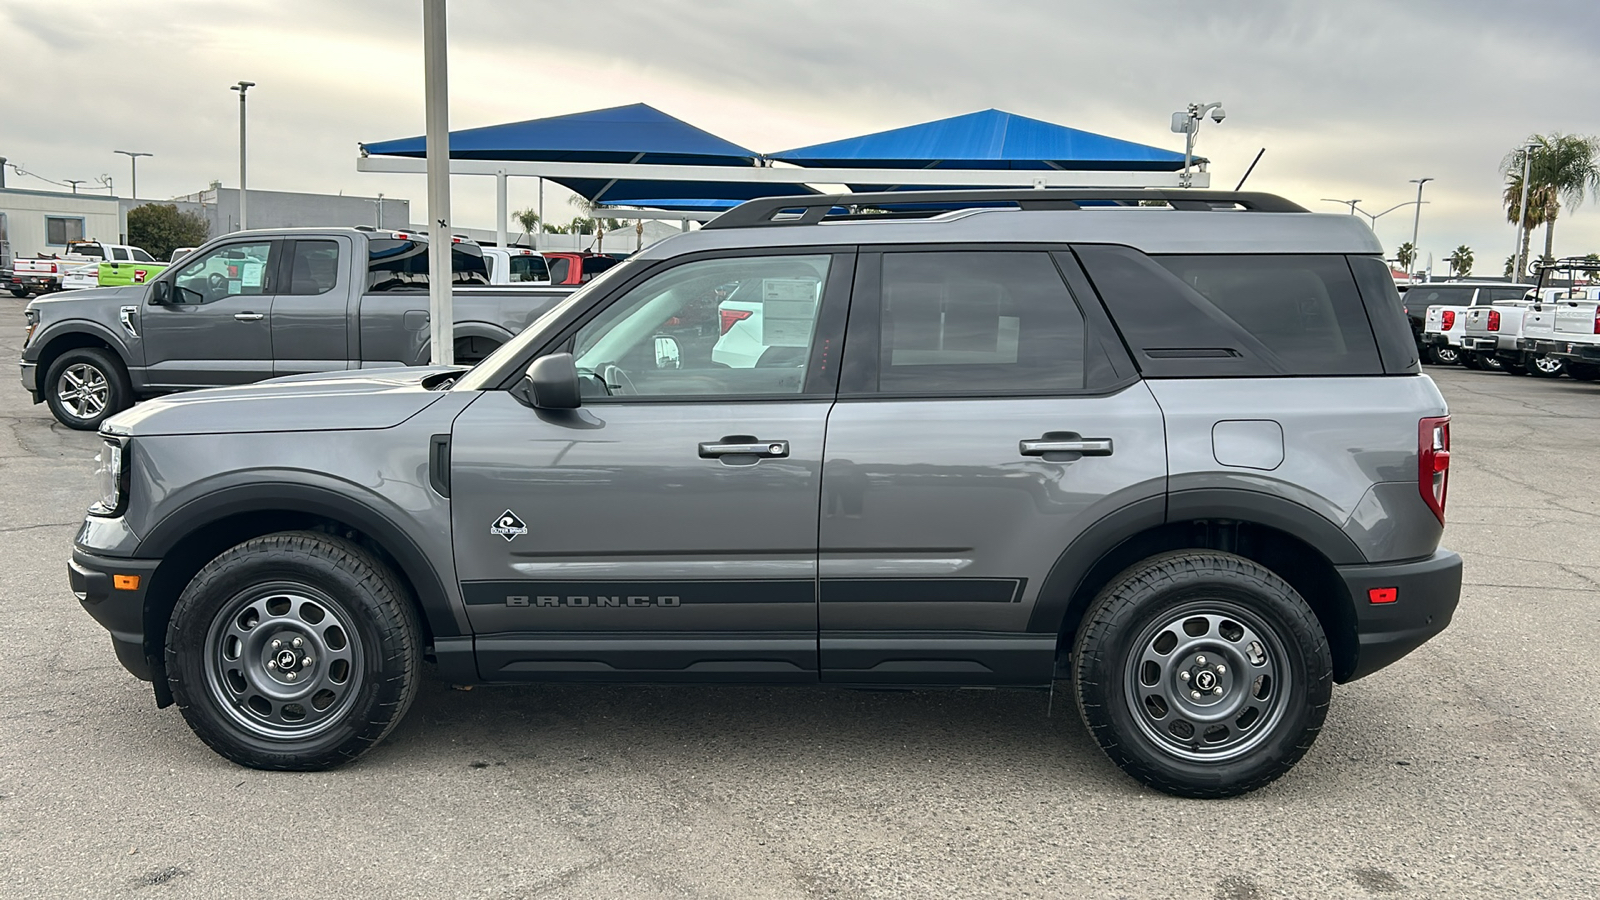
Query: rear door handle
point(1085, 446)
point(249, 316)
point(744, 447)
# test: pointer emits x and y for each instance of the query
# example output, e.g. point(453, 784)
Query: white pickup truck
point(1567, 328)
point(46, 274)
point(1494, 332)
point(1444, 322)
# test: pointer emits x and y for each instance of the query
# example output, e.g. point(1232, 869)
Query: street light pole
point(436, 116)
point(1522, 211)
point(1350, 203)
point(242, 87)
point(74, 182)
point(133, 161)
point(1416, 221)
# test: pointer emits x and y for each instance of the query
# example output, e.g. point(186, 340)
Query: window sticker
point(788, 309)
point(250, 274)
point(234, 286)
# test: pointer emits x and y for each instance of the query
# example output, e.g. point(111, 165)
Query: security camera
point(1218, 114)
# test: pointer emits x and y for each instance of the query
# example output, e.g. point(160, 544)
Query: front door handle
point(744, 446)
point(1048, 445)
point(249, 317)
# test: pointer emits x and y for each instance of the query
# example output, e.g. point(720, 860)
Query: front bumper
point(1425, 596)
point(30, 379)
point(119, 610)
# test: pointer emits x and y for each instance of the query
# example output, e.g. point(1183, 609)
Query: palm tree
point(590, 217)
point(1461, 261)
point(528, 219)
point(1405, 254)
point(1511, 265)
point(1563, 168)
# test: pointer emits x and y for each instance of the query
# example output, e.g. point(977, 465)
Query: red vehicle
point(568, 267)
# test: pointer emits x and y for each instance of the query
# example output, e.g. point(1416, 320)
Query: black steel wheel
point(1202, 673)
point(86, 386)
point(293, 651)
point(1444, 355)
point(1546, 367)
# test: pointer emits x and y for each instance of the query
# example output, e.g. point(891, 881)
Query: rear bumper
point(1441, 339)
point(1483, 344)
point(1585, 353)
point(1426, 594)
point(119, 611)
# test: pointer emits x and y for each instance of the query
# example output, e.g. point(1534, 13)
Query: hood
point(132, 293)
point(361, 400)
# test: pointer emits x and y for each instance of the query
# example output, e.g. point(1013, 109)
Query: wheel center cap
point(1205, 680)
point(287, 659)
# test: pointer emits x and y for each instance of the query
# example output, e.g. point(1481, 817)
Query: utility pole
point(1522, 213)
point(242, 87)
point(1417, 219)
point(436, 94)
point(133, 161)
point(74, 182)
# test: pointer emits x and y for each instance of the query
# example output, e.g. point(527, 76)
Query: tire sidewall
point(117, 389)
point(1307, 659)
point(215, 589)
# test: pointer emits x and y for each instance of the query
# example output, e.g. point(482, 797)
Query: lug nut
point(272, 664)
point(1221, 668)
point(290, 676)
point(1184, 675)
point(296, 642)
point(1201, 660)
point(1195, 695)
point(276, 644)
point(1217, 691)
point(305, 661)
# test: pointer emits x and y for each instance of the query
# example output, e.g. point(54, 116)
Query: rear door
point(667, 530)
point(217, 329)
point(985, 420)
point(312, 310)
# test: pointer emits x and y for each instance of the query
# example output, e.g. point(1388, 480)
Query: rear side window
point(402, 265)
point(313, 268)
point(559, 267)
point(1505, 293)
point(1236, 314)
point(968, 322)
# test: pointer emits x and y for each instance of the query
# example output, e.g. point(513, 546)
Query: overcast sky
point(1350, 99)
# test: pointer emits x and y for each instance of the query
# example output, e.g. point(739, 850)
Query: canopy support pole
point(500, 213)
point(436, 93)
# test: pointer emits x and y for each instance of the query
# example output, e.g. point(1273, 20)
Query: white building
point(42, 222)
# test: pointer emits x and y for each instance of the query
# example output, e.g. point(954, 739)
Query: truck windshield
point(86, 249)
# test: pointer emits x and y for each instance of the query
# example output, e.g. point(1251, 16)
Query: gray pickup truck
point(256, 305)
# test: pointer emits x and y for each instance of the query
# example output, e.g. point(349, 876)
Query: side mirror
point(551, 383)
point(668, 356)
point(161, 293)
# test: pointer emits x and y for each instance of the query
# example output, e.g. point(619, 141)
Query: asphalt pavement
point(1469, 769)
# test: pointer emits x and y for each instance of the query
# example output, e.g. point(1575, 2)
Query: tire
point(1583, 371)
point(1444, 356)
point(1153, 624)
point(1470, 360)
point(1490, 363)
point(19, 294)
point(86, 386)
point(1546, 367)
point(469, 351)
point(288, 706)
point(1515, 367)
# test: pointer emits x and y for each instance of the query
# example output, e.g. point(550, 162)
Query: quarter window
point(729, 327)
point(978, 322)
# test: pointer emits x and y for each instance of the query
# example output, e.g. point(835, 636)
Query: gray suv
point(1180, 457)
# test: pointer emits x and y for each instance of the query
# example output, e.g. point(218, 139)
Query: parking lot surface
point(1469, 769)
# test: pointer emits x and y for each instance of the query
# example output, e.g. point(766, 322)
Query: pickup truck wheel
point(86, 386)
point(1202, 674)
point(295, 651)
point(1546, 367)
point(471, 350)
point(1445, 356)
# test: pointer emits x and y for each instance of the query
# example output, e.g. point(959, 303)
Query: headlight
point(111, 479)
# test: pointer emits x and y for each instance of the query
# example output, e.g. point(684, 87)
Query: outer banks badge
point(508, 526)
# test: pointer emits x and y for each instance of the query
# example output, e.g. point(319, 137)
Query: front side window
point(60, 231)
point(119, 254)
point(971, 322)
point(731, 327)
point(227, 271)
point(313, 268)
point(141, 256)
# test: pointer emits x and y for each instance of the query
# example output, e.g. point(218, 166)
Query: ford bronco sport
point(1182, 457)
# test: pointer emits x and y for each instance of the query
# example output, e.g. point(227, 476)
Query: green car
point(117, 274)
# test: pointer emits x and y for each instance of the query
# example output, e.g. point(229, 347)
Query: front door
point(668, 528)
point(311, 312)
point(216, 330)
point(982, 424)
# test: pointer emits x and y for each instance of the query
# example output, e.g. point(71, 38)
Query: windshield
point(481, 376)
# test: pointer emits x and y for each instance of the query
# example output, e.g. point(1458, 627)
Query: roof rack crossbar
point(815, 208)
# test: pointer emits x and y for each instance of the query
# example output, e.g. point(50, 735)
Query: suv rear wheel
point(294, 651)
point(1202, 674)
point(86, 386)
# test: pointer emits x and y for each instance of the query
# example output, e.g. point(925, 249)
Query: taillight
point(1494, 320)
point(1597, 320)
point(1433, 462)
point(1449, 319)
point(730, 316)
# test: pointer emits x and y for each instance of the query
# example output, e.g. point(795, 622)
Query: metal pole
point(242, 87)
point(1522, 212)
point(436, 83)
point(500, 213)
point(538, 235)
point(133, 162)
point(1416, 220)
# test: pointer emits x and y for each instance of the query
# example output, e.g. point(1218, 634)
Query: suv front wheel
point(295, 651)
point(1202, 674)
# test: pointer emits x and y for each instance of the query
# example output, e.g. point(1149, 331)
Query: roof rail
point(814, 208)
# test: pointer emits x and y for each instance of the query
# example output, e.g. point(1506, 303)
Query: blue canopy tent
point(638, 134)
point(990, 139)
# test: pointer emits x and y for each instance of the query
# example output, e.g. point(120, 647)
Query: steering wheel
point(217, 282)
point(616, 380)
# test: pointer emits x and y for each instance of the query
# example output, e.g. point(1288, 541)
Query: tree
point(528, 219)
point(1461, 261)
point(1594, 268)
point(1511, 265)
point(1563, 168)
point(1405, 254)
point(159, 229)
